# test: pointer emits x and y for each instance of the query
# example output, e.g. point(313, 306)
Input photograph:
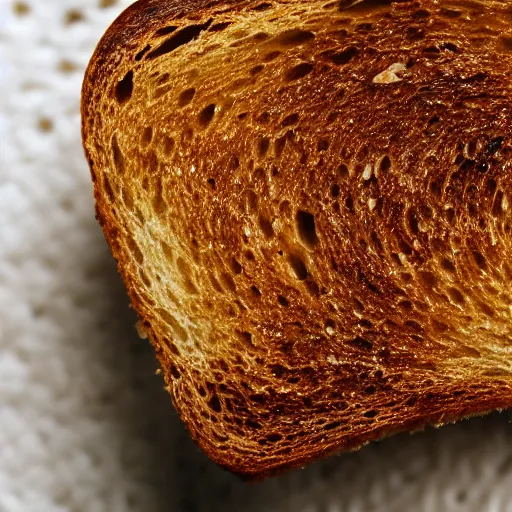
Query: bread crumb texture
point(309, 204)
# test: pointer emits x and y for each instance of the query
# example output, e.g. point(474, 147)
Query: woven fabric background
point(85, 425)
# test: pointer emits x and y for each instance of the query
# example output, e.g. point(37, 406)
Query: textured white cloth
point(85, 426)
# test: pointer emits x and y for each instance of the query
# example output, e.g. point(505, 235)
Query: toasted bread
point(310, 205)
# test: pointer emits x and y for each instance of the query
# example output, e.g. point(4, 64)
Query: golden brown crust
point(309, 205)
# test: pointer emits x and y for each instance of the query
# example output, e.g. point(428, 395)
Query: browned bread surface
point(310, 204)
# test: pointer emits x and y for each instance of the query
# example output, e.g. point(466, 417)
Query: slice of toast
point(310, 204)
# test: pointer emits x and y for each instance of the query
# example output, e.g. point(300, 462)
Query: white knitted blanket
point(85, 426)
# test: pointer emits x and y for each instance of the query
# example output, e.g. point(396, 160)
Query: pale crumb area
point(391, 75)
point(85, 424)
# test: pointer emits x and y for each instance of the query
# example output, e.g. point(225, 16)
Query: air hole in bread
point(228, 281)
point(260, 36)
point(404, 247)
point(245, 337)
point(175, 326)
point(290, 120)
point(495, 145)
point(306, 228)
point(186, 275)
point(186, 97)
point(421, 13)
point(413, 222)
point(299, 71)
point(234, 162)
point(455, 295)
point(343, 171)
point(277, 370)
point(117, 155)
point(330, 326)
point(343, 57)
point(147, 136)
point(448, 265)
point(183, 267)
point(428, 278)
point(506, 43)
point(235, 266)
point(486, 309)
point(215, 284)
point(294, 37)
point(253, 424)
point(214, 404)
point(323, 145)
point(162, 91)
point(450, 13)
point(108, 189)
point(266, 227)
point(413, 326)
point(124, 88)
point(370, 414)
point(433, 120)
point(158, 201)
point(174, 371)
point(74, 16)
point(450, 47)
point(263, 118)
point(271, 56)
point(274, 438)
point(432, 52)
point(436, 190)
point(361, 343)
point(143, 52)
point(180, 38)
point(283, 301)
point(263, 145)
point(385, 164)
point(168, 145)
point(358, 305)
point(497, 204)
point(258, 398)
point(335, 190)
point(377, 244)
point(256, 69)
point(167, 251)
point(298, 266)
point(364, 27)
point(255, 291)
point(219, 27)
point(127, 197)
point(480, 261)
point(406, 277)
point(262, 7)
point(164, 31)
point(279, 146)
point(406, 305)
point(205, 117)
point(251, 201)
point(450, 215)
